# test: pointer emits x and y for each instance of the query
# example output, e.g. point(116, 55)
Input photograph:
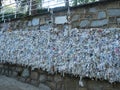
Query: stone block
point(75, 18)
point(52, 85)
point(118, 20)
point(45, 27)
point(10, 72)
point(34, 75)
point(101, 14)
point(43, 87)
point(82, 89)
point(35, 21)
point(42, 21)
point(25, 73)
point(28, 80)
point(1, 65)
point(34, 82)
point(75, 24)
point(59, 86)
point(43, 78)
point(19, 69)
point(60, 19)
point(14, 74)
point(114, 12)
point(22, 79)
point(98, 23)
point(57, 78)
point(93, 10)
point(29, 23)
point(50, 78)
point(84, 23)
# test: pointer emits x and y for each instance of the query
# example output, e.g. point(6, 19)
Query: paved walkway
point(12, 84)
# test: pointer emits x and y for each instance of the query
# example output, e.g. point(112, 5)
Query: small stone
point(60, 19)
point(43, 87)
point(57, 78)
point(35, 21)
point(14, 74)
point(101, 15)
point(25, 73)
point(75, 18)
point(93, 10)
point(34, 75)
point(22, 79)
point(52, 85)
point(45, 27)
point(19, 69)
point(50, 78)
point(1, 66)
point(34, 82)
point(28, 80)
point(118, 20)
point(43, 78)
point(84, 23)
point(29, 23)
point(98, 23)
point(82, 89)
point(42, 21)
point(114, 12)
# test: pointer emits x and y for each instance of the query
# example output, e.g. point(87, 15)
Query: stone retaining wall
point(103, 14)
point(49, 43)
point(46, 81)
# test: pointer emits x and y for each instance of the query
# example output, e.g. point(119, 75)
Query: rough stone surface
point(118, 20)
point(34, 75)
point(84, 23)
point(43, 87)
point(29, 23)
point(57, 78)
point(19, 69)
point(50, 78)
point(114, 12)
point(60, 19)
point(25, 73)
point(1, 65)
point(98, 23)
point(93, 10)
point(43, 78)
point(101, 15)
point(34, 82)
point(12, 84)
point(45, 27)
point(35, 21)
point(14, 74)
point(57, 83)
point(75, 17)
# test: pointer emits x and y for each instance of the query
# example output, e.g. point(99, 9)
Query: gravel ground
point(12, 84)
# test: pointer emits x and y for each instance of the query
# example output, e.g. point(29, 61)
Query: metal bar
point(30, 6)
point(48, 4)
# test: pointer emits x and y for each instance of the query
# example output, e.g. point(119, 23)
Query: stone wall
point(55, 43)
point(46, 81)
point(104, 14)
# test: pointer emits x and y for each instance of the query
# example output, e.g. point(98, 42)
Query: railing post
point(3, 13)
point(16, 9)
point(30, 7)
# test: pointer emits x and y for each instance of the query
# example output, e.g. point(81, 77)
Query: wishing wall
point(84, 52)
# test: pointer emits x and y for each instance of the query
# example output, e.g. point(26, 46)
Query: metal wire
point(29, 7)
